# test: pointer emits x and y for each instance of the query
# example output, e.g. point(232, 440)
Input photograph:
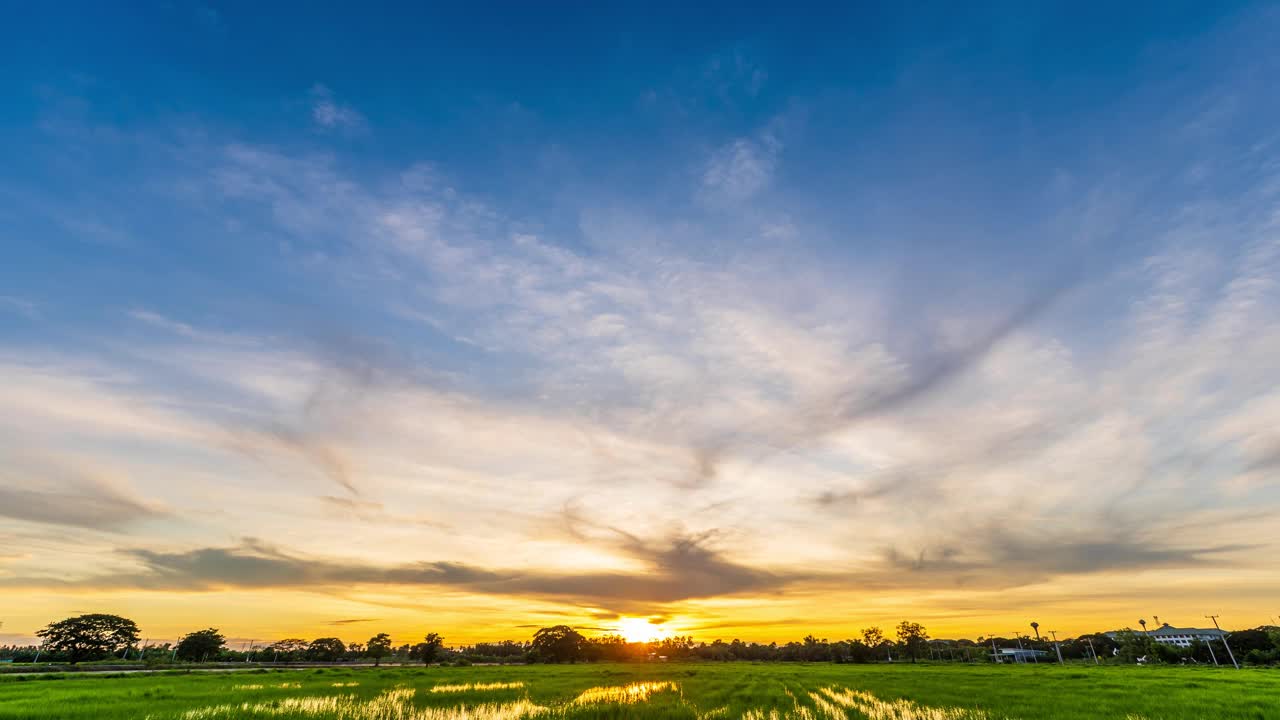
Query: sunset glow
point(640, 630)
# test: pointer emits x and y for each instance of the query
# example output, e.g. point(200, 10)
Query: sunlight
point(640, 630)
point(633, 693)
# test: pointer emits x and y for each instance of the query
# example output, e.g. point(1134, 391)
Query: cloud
point(1002, 557)
point(669, 570)
point(97, 510)
point(329, 114)
point(52, 491)
point(20, 306)
point(674, 569)
point(735, 75)
point(366, 511)
point(740, 169)
point(311, 447)
point(696, 366)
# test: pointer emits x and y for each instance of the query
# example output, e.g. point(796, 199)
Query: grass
point(658, 692)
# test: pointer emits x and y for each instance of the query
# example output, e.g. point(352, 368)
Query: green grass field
point(649, 692)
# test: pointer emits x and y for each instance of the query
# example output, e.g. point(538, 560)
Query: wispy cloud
point(95, 508)
point(663, 367)
point(20, 306)
point(676, 569)
point(741, 169)
point(35, 489)
point(329, 114)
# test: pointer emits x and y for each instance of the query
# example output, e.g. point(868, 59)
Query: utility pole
point(1230, 654)
point(1056, 646)
point(1093, 652)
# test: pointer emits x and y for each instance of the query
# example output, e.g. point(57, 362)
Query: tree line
point(102, 637)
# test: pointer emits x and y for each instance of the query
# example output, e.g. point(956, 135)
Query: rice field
point(736, 691)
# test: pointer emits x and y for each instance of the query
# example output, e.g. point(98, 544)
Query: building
point(1179, 637)
point(1019, 655)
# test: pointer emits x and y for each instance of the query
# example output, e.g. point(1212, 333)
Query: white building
point(1018, 655)
point(1181, 637)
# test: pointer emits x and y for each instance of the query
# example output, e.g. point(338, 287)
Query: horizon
point(697, 322)
point(655, 635)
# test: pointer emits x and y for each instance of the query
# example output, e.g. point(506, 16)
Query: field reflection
point(623, 694)
point(832, 703)
point(829, 703)
point(395, 704)
point(476, 687)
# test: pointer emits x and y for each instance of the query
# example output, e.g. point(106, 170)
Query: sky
point(335, 320)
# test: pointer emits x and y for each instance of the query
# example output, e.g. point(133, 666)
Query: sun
point(640, 630)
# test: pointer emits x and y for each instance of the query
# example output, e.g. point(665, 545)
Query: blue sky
point(572, 313)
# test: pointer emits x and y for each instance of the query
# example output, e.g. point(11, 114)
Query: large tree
point(201, 645)
point(89, 637)
point(378, 647)
point(290, 648)
point(913, 637)
point(429, 649)
point(326, 649)
point(874, 638)
point(559, 643)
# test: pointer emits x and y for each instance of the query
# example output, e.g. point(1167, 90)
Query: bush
point(1261, 657)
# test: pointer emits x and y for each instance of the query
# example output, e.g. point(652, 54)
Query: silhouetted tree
point(201, 644)
point(378, 647)
point(874, 638)
point(89, 637)
point(815, 649)
point(429, 649)
point(559, 643)
point(288, 649)
point(326, 649)
point(913, 637)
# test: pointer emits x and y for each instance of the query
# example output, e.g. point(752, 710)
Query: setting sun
point(640, 630)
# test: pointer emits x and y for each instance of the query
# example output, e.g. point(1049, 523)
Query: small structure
point(1180, 637)
point(1019, 655)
